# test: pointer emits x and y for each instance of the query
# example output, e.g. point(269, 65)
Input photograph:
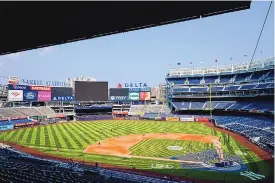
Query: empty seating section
point(16, 112)
point(20, 167)
point(250, 126)
point(208, 80)
point(8, 113)
point(46, 110)
point(194, 80)
point(225, 78)
point(207, 105)
point(270, 75)
point(198, 89)
point(197, 105)
point(28, 111)
point(226, 105)
point(216, 88)
point(247, 87)
point(181, 105)
point(231, 88)
point(154, 109)
point(136, 110)
point(239, 105)
point(261, 76)
point(262, 85)
point(181, 89)
point(271, 85)
point(258, 75)
point(242, 77)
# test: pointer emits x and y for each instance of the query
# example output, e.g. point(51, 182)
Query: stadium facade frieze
point(43, 83)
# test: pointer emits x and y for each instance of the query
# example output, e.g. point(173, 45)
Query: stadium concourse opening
point(85, 20)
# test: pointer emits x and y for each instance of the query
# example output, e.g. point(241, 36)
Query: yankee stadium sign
point(43, 83)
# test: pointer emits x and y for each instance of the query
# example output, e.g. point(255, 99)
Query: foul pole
point(210, 100)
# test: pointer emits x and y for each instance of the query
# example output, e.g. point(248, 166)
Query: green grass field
point(158, 147)
point(73, 138)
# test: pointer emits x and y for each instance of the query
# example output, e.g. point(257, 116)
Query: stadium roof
point(30, 25)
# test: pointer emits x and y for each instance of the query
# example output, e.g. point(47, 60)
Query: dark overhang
point(30, 25)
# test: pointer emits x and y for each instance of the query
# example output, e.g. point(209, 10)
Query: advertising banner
point(40, 88)
point(44, 96)
point(172, 119)
point(133, 96)
point(15, 95)
point(186, 119)
point(119, 91)
point(145, 95)
point(148, 89)
point(118, 98)
point(202, 120)
point(30, 95)
point(120, 112)
point(63, 98)
point(6, 127)
point(18, 87)
point(13, 80)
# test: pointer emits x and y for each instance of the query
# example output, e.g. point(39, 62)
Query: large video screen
point(91, 91)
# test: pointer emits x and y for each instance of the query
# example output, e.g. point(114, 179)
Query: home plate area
point(209, 161)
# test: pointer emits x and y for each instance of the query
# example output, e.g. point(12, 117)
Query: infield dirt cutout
point(120, 146)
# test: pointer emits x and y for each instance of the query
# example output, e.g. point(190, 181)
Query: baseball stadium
point(203, 124)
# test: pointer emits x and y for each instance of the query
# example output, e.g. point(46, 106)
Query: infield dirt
point(120, 146)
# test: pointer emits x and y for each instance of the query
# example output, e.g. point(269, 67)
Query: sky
point(145, 55)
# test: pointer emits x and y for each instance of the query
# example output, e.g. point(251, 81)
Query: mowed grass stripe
point(30, 135)
point(47, 137)
point(58, 139)
point(80, 132)
point(66, 138)
point(73, 133)
point(37, 137)
point(53, 141)
point(90, 138)
point(24, 138)
point(21, 135)
point(96, 135)
point(42, 136)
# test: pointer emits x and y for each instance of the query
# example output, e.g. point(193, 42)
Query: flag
point(245, 55)
point(216, 60)
point(178, 63)
point(190, 62)
point(169, 65)
point(230, 58)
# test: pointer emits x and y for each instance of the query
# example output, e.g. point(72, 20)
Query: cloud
point(46, 51)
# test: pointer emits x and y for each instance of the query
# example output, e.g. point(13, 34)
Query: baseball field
point(148, 145)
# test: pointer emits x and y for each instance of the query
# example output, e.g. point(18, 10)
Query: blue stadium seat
point(198, 89)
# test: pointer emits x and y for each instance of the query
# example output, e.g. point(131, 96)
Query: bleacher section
point(225, 105)
point(136, 110)
point(16, 112)
point(259, 129)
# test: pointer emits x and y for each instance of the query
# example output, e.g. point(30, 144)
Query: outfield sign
point(172, 119)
